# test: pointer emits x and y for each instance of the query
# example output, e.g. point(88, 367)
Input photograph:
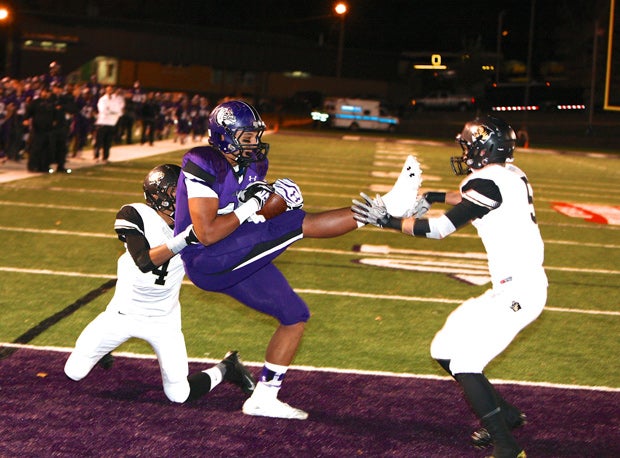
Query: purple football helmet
point(228, 122)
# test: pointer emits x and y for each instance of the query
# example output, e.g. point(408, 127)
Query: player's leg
point(514, 309)
point(482, 400)
point(331, 223)
point(268, 292)
point(102, 335)
point(463, 347)
point(230, 369)
point(166, 338)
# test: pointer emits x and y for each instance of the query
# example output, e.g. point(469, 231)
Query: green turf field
point(59, 245)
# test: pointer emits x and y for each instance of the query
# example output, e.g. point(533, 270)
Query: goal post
point(612, 74)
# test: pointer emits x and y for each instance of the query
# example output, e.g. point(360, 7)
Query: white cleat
point(273, 408)
point(400, 201)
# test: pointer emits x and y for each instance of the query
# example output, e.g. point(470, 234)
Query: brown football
point(274, 206)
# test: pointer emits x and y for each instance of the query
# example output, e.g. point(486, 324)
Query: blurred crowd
point(44, 119)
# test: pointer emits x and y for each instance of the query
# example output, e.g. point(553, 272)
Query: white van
point(354, 114)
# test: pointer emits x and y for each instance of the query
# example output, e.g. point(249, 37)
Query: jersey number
point(160, 273)
point(530, 198)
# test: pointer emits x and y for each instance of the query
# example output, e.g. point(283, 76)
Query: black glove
point(190, 235)
point(258, 190)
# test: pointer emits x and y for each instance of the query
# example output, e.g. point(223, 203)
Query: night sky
point(382, 25)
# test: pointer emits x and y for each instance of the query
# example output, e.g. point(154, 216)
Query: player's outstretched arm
point(328, 224)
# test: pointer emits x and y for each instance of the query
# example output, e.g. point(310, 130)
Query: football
point(274, 206)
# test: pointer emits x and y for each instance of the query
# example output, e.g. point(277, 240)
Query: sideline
point(12, 171)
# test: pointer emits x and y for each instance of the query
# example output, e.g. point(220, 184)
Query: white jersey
point(154, 293)
point(508, 231)
point(145, 306)
point(482, 327)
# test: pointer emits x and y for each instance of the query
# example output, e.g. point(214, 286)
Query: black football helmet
point(488, 140)
point(160, 186)
point(227, 123)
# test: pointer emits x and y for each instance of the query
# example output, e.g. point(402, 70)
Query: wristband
point(246, 210)
point(432, 197)
point(394, 223)
point(177, 243)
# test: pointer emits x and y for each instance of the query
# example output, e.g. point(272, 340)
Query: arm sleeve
point(130, 229)
point(139, 248)
point(480, 196)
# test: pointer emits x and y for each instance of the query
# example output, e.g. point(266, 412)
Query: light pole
point(341, 10)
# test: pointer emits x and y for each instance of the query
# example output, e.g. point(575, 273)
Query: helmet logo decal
point(156, 177)
point(225, 117)
point(482, 133)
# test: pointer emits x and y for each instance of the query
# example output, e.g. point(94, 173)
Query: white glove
point(372, 211)
point(421, 207)
point(256, 219)
point(289, 191)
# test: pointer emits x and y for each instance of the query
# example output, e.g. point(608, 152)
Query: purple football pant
point(241, 266)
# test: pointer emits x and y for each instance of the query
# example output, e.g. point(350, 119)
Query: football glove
point(372, 211)
point(289, 191)
point(421, 207)
point(182, 239)
point(189, 235)
point(258, 190)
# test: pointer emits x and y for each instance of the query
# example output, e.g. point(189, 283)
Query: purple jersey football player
point(220, 189)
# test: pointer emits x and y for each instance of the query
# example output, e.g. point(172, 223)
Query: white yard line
point(334, 369)
point(391, 297)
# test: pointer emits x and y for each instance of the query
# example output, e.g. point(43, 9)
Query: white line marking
point(333, 369)
point(437, 300)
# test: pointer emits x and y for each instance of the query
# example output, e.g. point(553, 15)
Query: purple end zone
point(124, 412)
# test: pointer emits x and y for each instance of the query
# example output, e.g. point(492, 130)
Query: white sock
point(216, 376)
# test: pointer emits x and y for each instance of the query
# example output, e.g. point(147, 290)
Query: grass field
point(59, 245)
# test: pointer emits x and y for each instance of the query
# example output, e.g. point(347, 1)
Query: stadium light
point(341, 10)
point(6, 18)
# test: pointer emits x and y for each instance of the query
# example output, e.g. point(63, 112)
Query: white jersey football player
point(497, 199)
point(146, 304)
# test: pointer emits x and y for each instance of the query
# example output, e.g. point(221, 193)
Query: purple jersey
point(240, 265)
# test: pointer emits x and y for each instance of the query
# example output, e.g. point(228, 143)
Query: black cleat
point(106, 361)
point(481, 438)
point(237, 373)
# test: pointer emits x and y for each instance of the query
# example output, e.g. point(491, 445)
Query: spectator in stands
point(65, 106)
point(109, 109)
point(41, 119)
point(150, 110)
point(183, 120)
point(84, 119)
point(54, 75)
point(124, 130)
